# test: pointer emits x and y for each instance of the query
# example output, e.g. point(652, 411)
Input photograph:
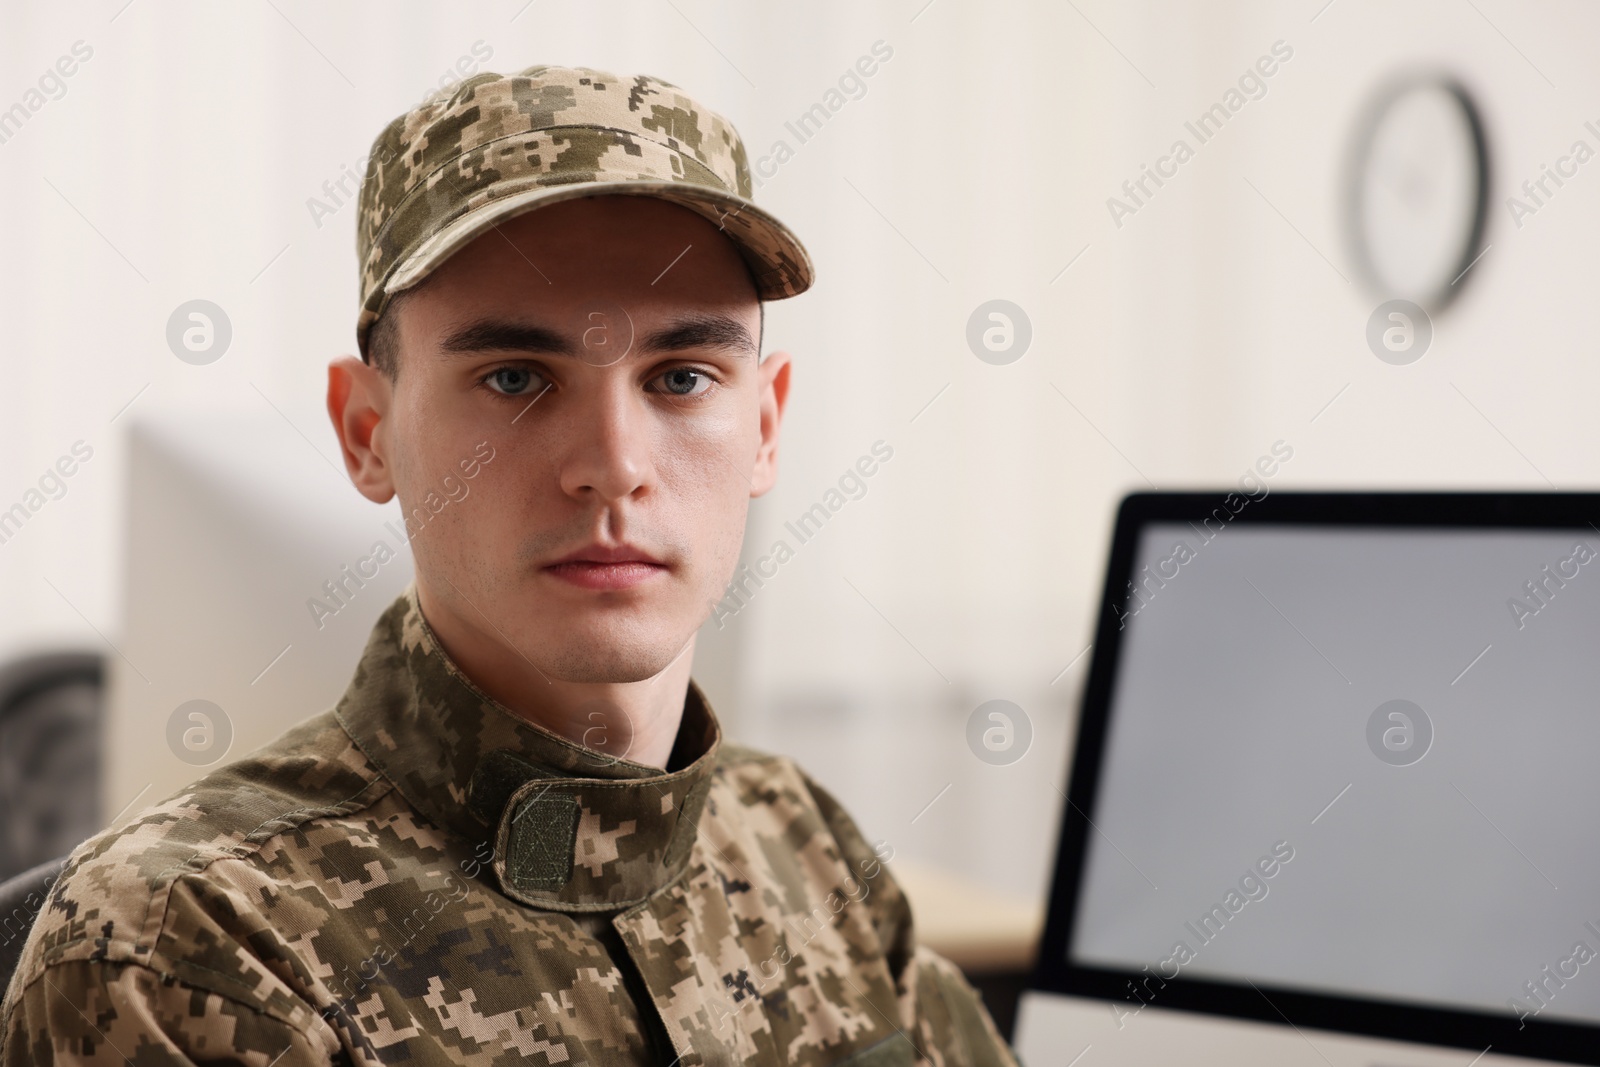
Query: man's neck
point(636, 721)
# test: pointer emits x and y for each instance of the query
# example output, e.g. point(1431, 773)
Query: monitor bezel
point(1055, 972)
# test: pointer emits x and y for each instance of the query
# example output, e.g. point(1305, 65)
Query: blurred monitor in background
point(252, 582)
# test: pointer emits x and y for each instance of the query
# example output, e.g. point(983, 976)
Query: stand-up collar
point(572, 829)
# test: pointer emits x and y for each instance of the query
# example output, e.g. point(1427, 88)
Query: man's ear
point(774, 395)
point(358, 404)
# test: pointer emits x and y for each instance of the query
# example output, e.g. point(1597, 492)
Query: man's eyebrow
point(498, 335)
point(684, 333)
point(701, 331)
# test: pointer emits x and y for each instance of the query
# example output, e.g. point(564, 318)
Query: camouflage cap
point(497, 145)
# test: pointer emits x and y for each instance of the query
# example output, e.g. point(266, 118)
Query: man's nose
point(610, 445)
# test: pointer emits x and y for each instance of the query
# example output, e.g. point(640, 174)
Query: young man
point(520, 837)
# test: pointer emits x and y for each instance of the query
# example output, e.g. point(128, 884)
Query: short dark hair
point(383, 337)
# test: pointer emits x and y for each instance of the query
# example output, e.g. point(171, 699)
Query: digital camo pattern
point(344, 896)
point(546, 134)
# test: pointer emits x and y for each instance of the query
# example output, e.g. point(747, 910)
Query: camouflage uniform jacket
point(419, 876)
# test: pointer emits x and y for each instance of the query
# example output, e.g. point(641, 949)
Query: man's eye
point(685, 381)
point(510, 381)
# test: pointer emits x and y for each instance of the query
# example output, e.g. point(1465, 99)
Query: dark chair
point(50, 743)
point(21, 900)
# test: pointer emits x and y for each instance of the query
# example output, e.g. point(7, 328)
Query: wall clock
point(1418, 190)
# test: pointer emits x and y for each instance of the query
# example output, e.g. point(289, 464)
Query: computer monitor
point(1334, 796)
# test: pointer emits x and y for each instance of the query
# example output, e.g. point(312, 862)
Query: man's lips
point(606, 567)
point(593, 574)
point(607, 554)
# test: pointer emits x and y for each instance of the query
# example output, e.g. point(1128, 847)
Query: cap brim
point(778, 261)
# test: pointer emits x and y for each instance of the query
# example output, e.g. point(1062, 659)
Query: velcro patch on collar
point(544, 830)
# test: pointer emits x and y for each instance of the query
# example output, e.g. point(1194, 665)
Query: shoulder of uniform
point(731, 753)
point(767, 779)
point(798, 810)
point(126, 1005)
point(765, 776)
point(117, 896)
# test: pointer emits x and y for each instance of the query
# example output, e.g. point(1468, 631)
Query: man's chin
point(592, 638)
point(597, 664)
point(601, 650)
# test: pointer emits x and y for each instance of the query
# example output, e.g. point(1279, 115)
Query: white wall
point(1210, 324)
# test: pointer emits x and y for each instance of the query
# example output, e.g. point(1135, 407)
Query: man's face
point(605, 350)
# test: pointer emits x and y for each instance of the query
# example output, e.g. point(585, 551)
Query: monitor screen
point(1357, 760)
